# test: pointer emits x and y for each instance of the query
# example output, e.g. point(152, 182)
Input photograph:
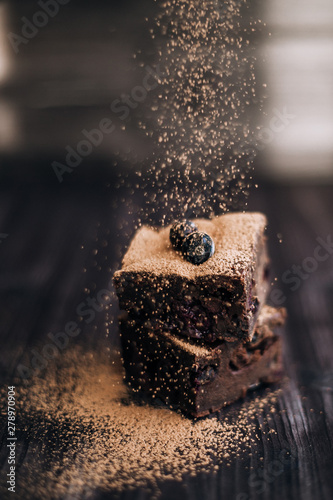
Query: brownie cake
point(196, 377)
point(220, 299)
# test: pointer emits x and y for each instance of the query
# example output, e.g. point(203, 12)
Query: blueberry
point(198, 247)
point(179, 230)
point(254, 305)
point(205, 375)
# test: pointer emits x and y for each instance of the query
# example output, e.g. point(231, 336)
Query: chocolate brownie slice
point(197, 378)
point(220, 299)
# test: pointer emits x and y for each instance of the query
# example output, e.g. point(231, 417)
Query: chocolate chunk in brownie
point(198, 378)
point(220, 299)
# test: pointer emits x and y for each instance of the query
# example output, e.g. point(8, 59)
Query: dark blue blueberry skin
point(179, 230)
point(205, 375)
point(198, 247)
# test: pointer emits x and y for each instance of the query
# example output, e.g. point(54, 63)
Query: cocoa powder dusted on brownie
point(235, 235)
point(276, 317)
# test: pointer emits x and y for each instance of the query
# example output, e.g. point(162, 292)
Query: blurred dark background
point(63, 80)
point(64, 77)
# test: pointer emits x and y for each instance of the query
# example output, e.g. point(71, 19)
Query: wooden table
point(51, 234)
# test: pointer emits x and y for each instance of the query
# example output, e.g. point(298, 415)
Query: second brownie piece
point(197, 378)
point(220, 299)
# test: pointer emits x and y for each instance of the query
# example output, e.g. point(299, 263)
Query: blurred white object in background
point(4, 50)
point(299, 73)
point(9, 136)
point(9, 130)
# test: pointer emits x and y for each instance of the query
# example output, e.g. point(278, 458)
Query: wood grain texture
point(42, 281)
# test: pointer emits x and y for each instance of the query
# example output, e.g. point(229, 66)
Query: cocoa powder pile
point(89, 434)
